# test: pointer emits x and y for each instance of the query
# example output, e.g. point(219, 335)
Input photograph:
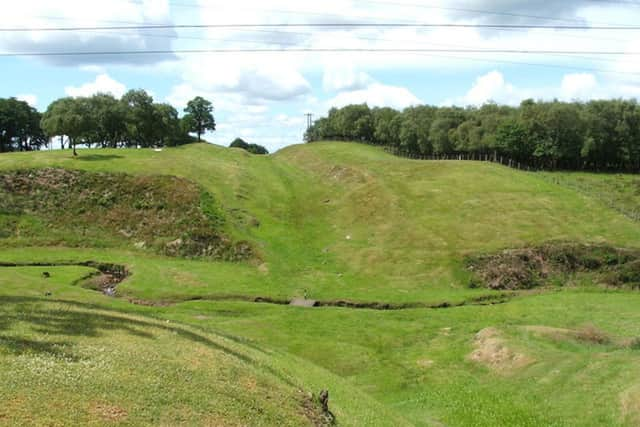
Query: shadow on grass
point(98, 157)
point(48, 327)
point(17, 345)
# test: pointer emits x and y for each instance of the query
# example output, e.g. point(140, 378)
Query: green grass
point(73, 356)
point(348, 221)
point(410, 361)
point(618, 191)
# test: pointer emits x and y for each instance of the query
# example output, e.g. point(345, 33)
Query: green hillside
point(344, 224)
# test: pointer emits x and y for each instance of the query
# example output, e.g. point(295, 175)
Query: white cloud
point(377, 95)
point(572, 87)
point(81, 13)
point(226, 102)
point(579, 86)
point(490, 87)
point(342, 77)
point(289, 121)
point(29, 99)
point(102, 84)
point(263, 78)
point(519, 11)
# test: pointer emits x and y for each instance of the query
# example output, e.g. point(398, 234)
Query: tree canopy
point(199, 117)
point(252, 148)
point(597, 135)
point(101, 120)
point(19, 126)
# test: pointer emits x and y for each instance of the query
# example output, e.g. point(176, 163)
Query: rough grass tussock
point(491, 350)
point(526, 268)
point(168, 214)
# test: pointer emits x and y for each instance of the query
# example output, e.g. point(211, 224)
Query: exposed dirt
point(108, 412)
point(587, 334)
point(106, 279)
point(492, 351)
point(314, 412)
point(526, 268)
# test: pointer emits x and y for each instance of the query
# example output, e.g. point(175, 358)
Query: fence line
point(605, 198)
point(481, 157)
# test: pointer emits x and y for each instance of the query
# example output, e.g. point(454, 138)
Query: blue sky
point(263, 97)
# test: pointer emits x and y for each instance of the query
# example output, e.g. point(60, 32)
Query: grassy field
point(618, 191)
point(332, 221)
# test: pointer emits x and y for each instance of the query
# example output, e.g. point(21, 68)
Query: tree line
point(596, 135)
point(102, 120)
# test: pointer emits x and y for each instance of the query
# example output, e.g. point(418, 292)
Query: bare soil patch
point(314, 411)
point(526, 268)
point(108, 412)
point(587, 334)
point(490, 349)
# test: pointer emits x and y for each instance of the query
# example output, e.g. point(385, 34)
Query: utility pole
point(309, 117)
point(309, 120)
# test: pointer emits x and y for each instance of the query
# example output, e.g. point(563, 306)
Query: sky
point(262, 97)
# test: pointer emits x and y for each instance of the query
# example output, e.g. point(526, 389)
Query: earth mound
point(167, 214)
point(530, 267)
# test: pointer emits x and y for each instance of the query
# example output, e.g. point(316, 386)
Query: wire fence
point(478, 157)
point(609, 198)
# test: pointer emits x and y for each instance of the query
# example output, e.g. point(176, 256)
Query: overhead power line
point(328, 25)
point(449, 8)
point(474, 11)
point(320, 50)
point(601, 58)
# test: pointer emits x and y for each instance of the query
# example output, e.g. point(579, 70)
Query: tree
point(512, 139)
point(140, 118)
point(257, 149)
point(199, 116)
point(19, 126)
point(252, 148)
point(354, 123)
point(67, 116)
point(414, 129)
point(385, 128)
point(169, 130)
point(443, 127)
point(239, 143)
point(108, 121)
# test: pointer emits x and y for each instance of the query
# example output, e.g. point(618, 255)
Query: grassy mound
point(348, 222)
point(70, 363)
point(71, 356)
point(170, 215)
point(526, 268)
